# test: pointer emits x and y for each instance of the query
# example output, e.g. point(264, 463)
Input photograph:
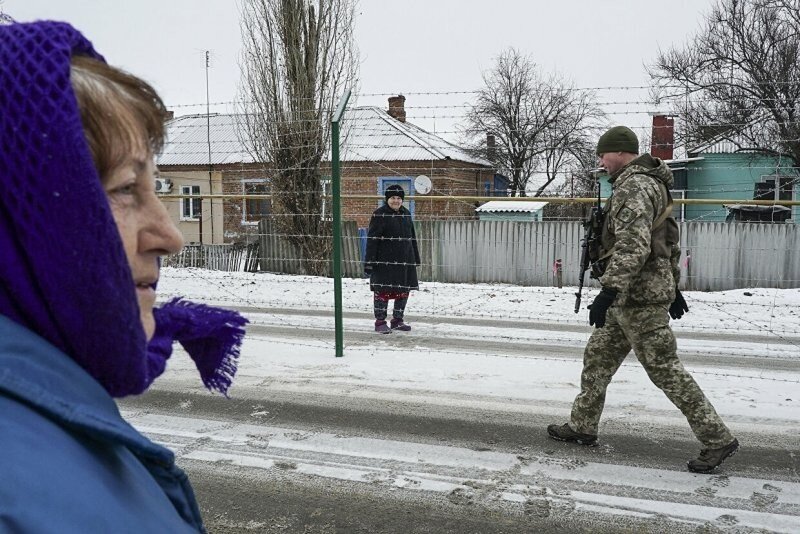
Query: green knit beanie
point(618, 139)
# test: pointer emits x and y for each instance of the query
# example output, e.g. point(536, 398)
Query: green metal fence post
point(336, 186)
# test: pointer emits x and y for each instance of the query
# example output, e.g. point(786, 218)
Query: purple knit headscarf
point(63, 269)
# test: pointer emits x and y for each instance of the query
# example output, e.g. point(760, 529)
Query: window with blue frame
point(500, 185)
point(406, 182)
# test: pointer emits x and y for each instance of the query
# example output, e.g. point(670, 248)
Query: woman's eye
point(124, 195)
point(127, 189)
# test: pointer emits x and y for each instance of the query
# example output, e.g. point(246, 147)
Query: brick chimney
point(491, 145)
point(397, 107)
point(662, 143)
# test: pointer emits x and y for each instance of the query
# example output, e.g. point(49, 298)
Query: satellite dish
point(422, 185)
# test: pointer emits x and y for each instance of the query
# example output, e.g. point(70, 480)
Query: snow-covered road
point(546, 480)
point(453, 414)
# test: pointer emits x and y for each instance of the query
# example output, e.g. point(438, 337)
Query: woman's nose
point(160, 234)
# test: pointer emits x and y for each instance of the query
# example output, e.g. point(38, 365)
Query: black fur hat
point(394, 191)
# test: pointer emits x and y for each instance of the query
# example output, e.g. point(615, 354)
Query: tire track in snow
point(539, 483)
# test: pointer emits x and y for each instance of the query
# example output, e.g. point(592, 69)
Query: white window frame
point(326, 188)
point(776, 179)
point(190, 203)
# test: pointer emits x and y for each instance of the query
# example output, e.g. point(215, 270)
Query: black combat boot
point(565, 433)
point(710, 459)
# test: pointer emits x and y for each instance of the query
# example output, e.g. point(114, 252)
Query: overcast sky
point(413, 46)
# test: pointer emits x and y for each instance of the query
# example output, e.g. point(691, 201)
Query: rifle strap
point(663, 216)
point(667, 210)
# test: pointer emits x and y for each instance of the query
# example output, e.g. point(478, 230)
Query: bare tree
point(4, 18)
point(580, 181)
point(739, 78)
point(298, 57)
point(570, 151)
point(539, 123)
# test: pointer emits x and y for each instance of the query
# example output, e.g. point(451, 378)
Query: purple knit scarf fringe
point(211, 336)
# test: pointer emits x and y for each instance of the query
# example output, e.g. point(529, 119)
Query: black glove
point(368, 269)
point(678, 306)
point(598, 308)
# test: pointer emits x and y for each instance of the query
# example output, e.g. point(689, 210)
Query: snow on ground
point(756, 311)
point(491, 348)
point(483, 476)
point(420, 366)
point(747, 400)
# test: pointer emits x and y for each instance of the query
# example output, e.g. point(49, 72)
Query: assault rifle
point(592, 228)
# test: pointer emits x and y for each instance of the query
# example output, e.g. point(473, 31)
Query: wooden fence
point(226, 257)
point(278, 255)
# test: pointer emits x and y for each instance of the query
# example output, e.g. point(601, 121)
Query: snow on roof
point(374, 135)
point(682, 161)
point(508, 206)
point(719, 146)
point(757, 208)
point(187, 141)
point(368, 133)
point(734, 141)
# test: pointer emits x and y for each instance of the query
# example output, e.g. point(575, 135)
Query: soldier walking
point(637, 265)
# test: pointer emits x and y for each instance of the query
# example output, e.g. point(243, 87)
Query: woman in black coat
point(392, 259)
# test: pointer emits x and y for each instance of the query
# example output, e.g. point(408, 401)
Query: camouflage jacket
point(642, 260)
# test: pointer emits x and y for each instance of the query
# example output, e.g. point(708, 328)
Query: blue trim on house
point(406, 182)
point(501, 184)
point(362, 243)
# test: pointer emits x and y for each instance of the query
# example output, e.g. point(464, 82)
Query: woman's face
point(395, 202)
point(144, 225)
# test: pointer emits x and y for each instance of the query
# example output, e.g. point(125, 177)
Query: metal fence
point(722, 256)
point(716, 256)
point(521, 253)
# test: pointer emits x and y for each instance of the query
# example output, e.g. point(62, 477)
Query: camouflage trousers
point(646, 330)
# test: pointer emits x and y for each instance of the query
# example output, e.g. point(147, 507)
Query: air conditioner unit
point(163, 185)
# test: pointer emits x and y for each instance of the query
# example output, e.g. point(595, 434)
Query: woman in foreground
point(81, 234)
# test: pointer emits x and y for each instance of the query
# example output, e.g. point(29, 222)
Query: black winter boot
point(398, 324)
point(382, 328)
point(710, 459)
point(565, 433)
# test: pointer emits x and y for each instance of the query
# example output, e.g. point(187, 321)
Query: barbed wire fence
point(506, 269)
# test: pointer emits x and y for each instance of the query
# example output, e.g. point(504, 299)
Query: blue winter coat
point(69, 463)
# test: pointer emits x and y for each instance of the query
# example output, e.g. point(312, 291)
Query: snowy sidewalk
point(441, 359)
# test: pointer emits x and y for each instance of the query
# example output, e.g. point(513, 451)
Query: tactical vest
point(664, 234)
